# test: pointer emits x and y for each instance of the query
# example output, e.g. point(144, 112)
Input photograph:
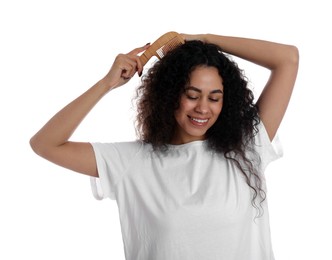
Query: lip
point(197, 121)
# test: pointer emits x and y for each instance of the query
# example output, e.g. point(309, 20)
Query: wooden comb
point(161, 46)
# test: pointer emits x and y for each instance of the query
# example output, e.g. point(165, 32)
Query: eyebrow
point(200, 91)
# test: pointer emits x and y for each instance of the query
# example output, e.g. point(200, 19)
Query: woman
point(193, 186)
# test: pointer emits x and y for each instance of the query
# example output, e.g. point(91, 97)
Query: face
point(200, 105)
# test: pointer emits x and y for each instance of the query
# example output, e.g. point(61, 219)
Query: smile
point(198, 120)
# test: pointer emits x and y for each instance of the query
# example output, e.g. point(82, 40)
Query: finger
point(139, 65)
point(189, 37)
point(127, 60)
point(128, 71)
point(135, 52)
point(133, 60)
point(139, 49)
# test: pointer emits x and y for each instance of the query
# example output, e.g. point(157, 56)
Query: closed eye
point(214, 99)
point(192, 97)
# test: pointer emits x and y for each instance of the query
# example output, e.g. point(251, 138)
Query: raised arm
point(52, 140)
point(281, 59)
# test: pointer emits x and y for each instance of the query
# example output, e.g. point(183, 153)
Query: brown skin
point(52, 140)
point(202, 101)
point(282, 61)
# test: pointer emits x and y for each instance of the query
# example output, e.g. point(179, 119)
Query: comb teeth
point(173, 43)
point(160, 52)
point(161, 46)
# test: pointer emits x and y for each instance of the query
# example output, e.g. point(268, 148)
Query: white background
point(52, 51)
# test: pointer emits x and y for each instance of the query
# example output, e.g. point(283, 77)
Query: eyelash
point(192, 98)
point(195, 98)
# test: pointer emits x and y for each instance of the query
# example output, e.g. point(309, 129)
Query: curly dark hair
point(232, 134)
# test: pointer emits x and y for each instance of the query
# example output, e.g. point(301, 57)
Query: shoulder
point(267, 149)
point(128, 144)
point(125, 148)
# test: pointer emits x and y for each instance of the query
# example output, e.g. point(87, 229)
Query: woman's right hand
point(124, 68)
point(52, 140)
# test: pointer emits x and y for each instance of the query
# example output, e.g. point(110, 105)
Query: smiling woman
point(192, 186)
point(211, 101)
point(200, 105)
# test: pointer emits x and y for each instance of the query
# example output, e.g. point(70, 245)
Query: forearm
point(268, 54)
point(281, 59)
point(52, 140)
point(61, 126)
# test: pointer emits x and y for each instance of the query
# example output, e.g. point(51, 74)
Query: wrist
point(204, 37)
point(105, 86)
point(209, 38)
point(194, 37)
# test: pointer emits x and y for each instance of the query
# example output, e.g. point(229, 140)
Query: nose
point(202, 107)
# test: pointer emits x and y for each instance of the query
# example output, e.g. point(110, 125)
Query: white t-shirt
point(188, 204)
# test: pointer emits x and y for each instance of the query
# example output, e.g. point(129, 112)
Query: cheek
point(217, 109)
point(178, 114)
point(185, 106)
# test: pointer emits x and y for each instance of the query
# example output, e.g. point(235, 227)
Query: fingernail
point(140, 74)
point(147, 44)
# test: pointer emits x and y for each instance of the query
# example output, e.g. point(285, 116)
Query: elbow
point(34, 144)
point(294, 55)
point(37, 146)
point(288, 59)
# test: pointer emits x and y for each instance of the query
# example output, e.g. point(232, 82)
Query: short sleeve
point(113, 159)
point(268, 151)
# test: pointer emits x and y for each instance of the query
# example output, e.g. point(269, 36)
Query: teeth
point(199, 120)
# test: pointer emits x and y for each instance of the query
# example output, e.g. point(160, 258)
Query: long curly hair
point(159, 94)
